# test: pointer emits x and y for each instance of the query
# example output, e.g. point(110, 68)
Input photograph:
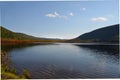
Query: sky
point(58, 19)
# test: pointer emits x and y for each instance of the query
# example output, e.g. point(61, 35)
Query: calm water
point(64, 60)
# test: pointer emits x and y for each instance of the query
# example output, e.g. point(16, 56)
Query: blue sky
point(58, 19)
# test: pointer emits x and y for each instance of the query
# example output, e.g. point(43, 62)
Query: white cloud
point(71, 14)
point(99, 19)
point(83, 9)
point(56, 15)
point(52, 15)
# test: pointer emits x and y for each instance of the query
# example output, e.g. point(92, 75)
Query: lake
point(67, 60)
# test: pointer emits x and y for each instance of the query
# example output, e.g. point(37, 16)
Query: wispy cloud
point(52, 15)
point(101, 19)
point(83, 9)
point(71, 14)
point(55, 15)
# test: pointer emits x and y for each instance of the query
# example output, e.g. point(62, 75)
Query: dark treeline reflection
point(9, 47)
point(111, 51)
point(105, 49)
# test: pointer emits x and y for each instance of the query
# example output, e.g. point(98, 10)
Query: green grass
point(7, 73)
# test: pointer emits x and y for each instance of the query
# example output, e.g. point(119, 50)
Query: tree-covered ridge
point(105, 34)
point(7, 34)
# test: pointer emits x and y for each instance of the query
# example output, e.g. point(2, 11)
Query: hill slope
point(106, 34)
point(7, 35)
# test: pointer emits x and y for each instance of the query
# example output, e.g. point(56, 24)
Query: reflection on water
point(110, 49)
point(67, 60)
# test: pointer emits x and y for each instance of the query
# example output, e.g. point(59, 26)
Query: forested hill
point(7, 34)
point(105, 34)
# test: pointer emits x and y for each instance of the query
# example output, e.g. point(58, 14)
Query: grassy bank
point(6, 72)
point(14, 41)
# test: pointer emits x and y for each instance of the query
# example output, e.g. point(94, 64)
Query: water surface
point(64, 60)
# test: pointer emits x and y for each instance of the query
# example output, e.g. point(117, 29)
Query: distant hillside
point(106, 34)
point(7, 34)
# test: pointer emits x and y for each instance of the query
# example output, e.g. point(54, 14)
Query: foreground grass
point(7, 73)
point(12, 75)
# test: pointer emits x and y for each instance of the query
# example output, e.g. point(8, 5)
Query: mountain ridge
point(104, 34)
point(8, 34)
